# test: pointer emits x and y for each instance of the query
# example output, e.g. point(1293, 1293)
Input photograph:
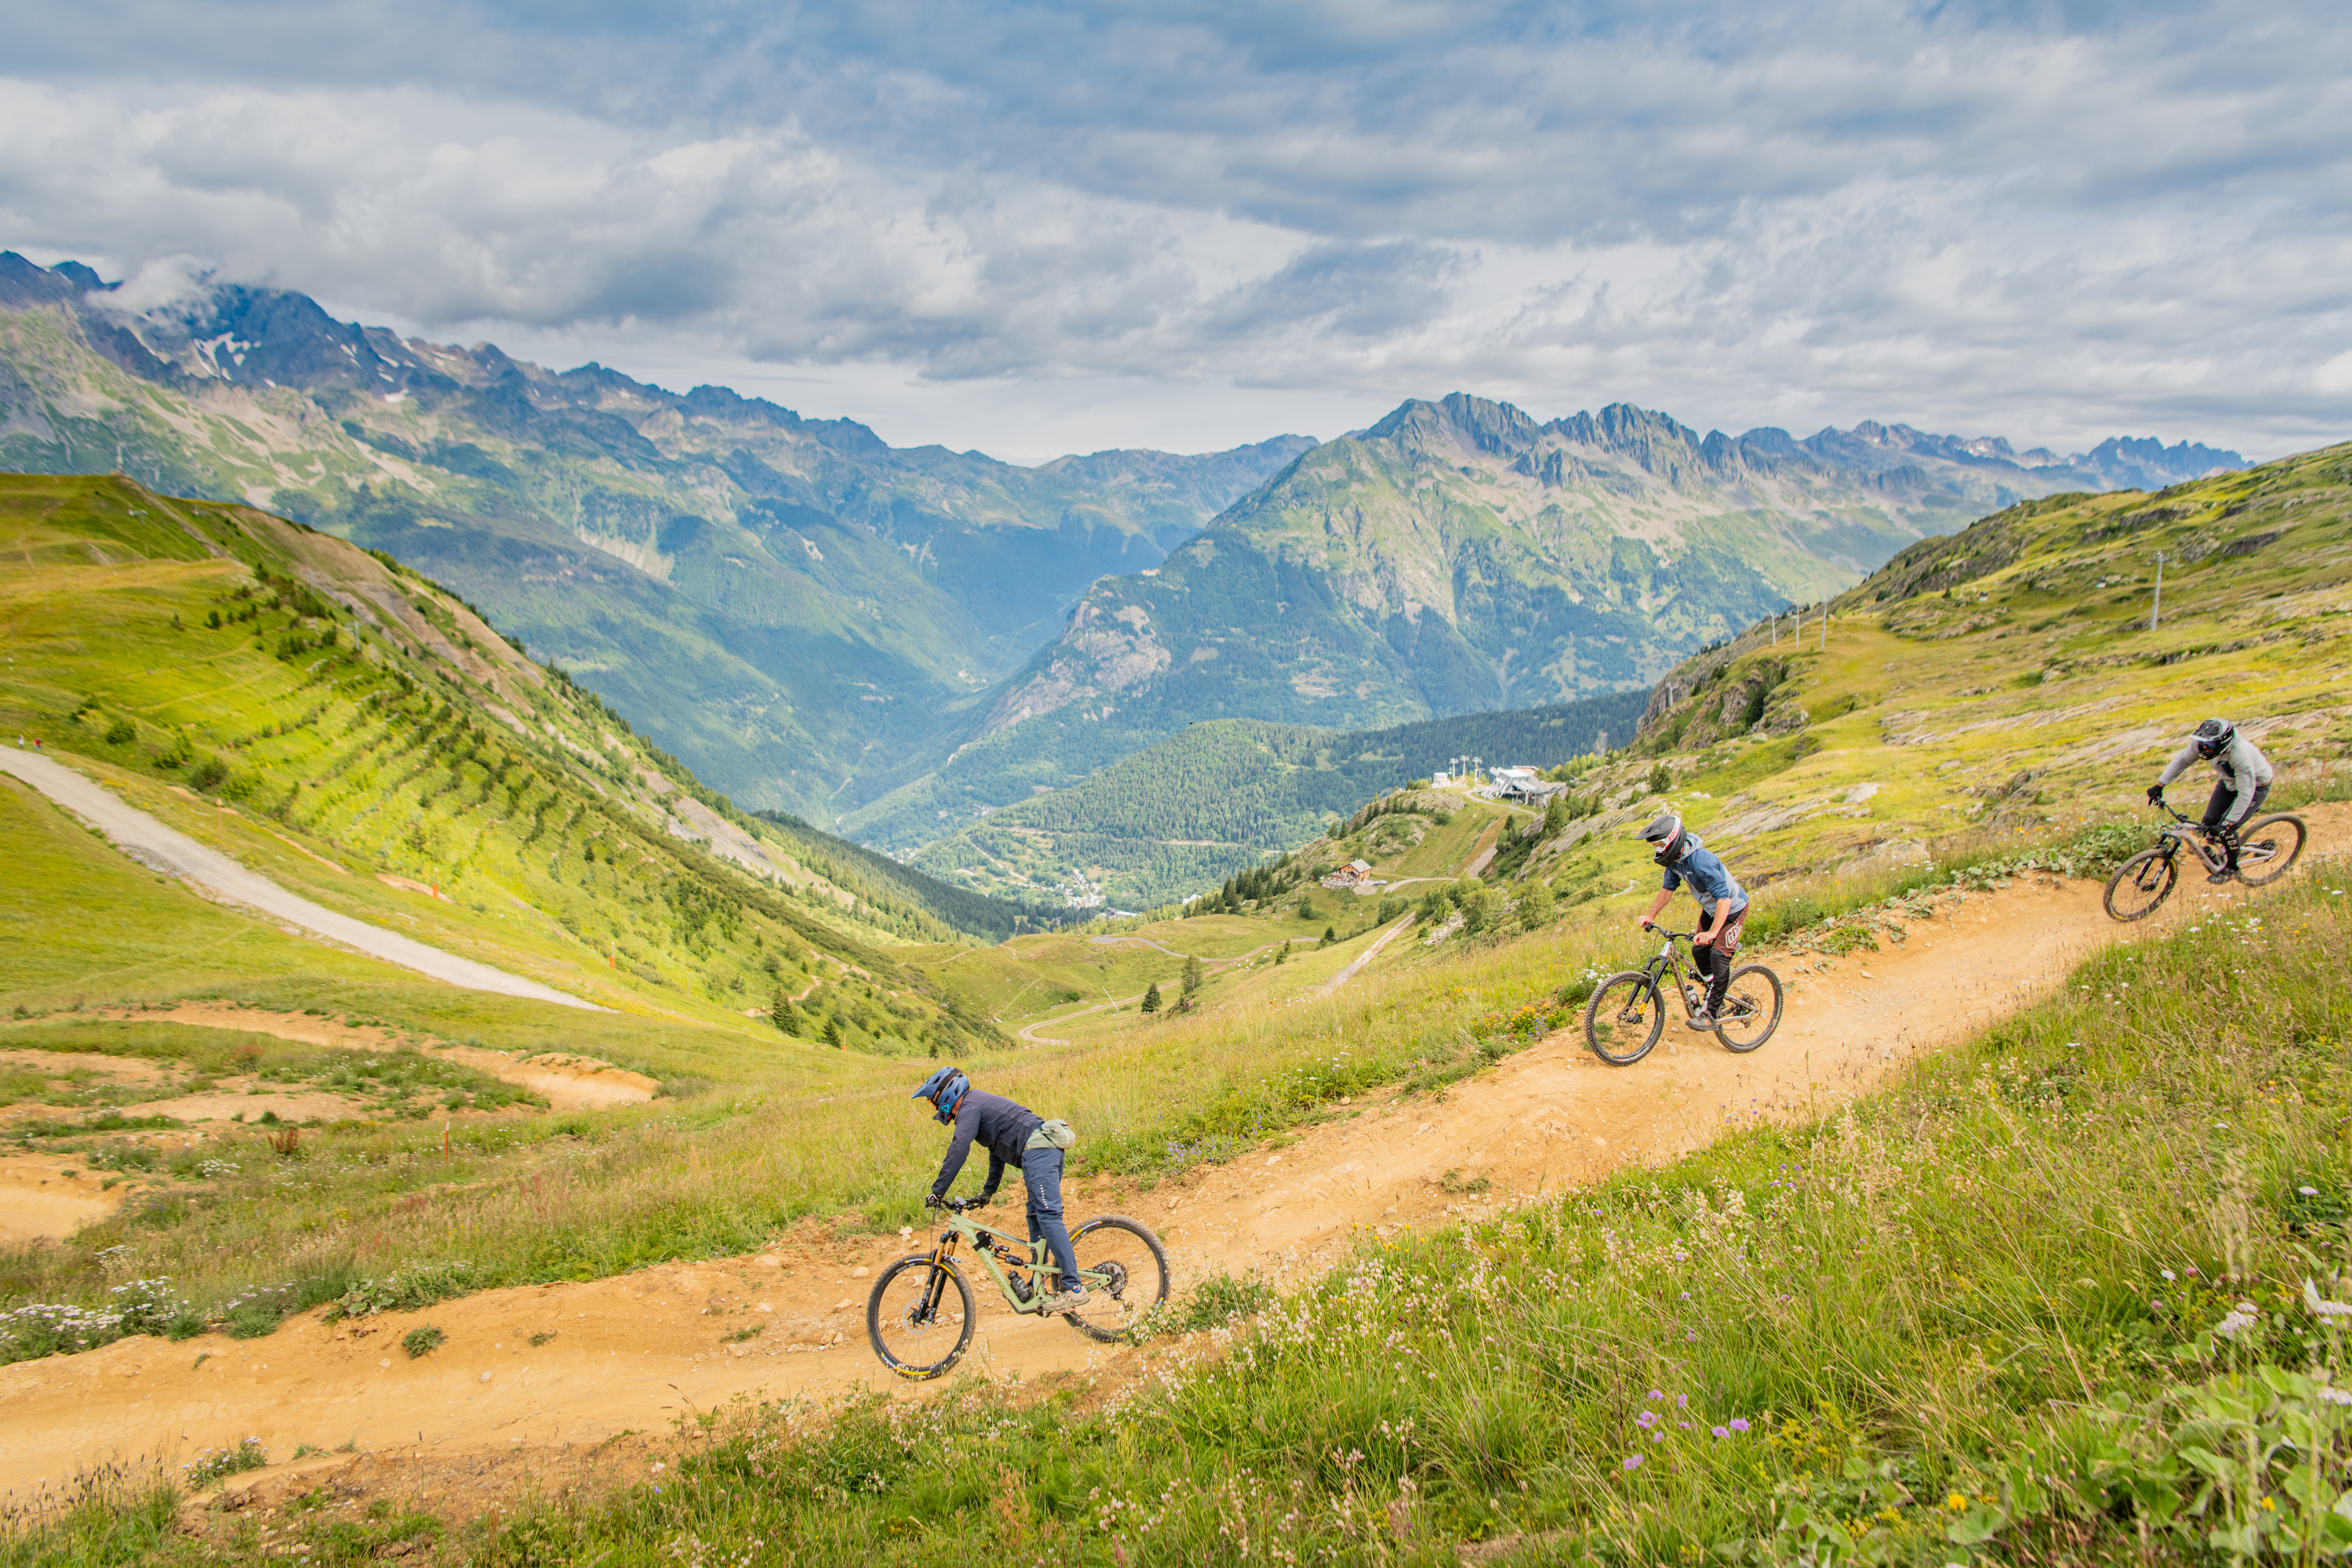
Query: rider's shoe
point(2227, 873)
point(1701, 1022)
point(1069, 1301)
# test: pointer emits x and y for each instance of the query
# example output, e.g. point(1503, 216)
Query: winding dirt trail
point(635, 1352)
point(151, 843)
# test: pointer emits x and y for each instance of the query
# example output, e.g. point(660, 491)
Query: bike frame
point(992, 1249)
point(2192, 831)
point(1669, 962)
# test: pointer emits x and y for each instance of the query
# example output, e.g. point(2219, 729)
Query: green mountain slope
point(1177, 817)
point(2005, 680)
point(357, 732)
point(1457, 557)
point(787, 605)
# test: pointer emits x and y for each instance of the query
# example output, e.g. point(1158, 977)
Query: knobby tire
point(895, 1312)
point(2286, 835)
point(1126, 1248)
point(1625, 1017)
point(1760, 988)
point(2141, 884)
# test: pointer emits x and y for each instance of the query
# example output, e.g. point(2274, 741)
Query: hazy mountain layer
point(1458, 555)
point(788, 604)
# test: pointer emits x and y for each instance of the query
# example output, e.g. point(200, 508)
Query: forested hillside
point(1159, 826)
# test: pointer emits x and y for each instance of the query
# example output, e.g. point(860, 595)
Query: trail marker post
point(2155, 605)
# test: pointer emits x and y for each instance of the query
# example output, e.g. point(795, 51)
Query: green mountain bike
point(2267, 846)
point(919, 1317)
point(1628, 1011)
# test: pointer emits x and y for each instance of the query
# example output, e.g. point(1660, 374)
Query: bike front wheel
point(2265, 849)
point(919, 1317)
point(2140, 885)
point(1625, 1017)
point(1125, 1270)
point(1751, 1010)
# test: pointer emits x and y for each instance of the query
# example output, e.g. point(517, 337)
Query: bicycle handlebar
point(1669, 935)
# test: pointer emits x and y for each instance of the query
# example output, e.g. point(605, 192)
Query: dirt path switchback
point(634, 1352)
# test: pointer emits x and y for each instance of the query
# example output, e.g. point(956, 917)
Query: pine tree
point(781, 1013)
point(1193, 975)
point(1151, 998)
point(832, 1033)
point(1282, 952)
point(1330, 935)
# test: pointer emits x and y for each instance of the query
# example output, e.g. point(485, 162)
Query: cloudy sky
point(1039, 228)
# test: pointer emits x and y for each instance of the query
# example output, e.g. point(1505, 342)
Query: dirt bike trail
point(637, 1351)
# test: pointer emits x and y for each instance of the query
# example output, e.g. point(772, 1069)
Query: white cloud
point(2054, 224)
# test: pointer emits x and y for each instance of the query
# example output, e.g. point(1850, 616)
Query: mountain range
point(884, 641)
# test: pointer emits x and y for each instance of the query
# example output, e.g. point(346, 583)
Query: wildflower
point(1682, 1401)
point(1646, 1418)
point(1721, 1431)
point(2170, 1276)
point(1633, 1461)
point(1740, 1423)
point(2240, 1317)
point(1658, 1394)
point(1955, 1501)
point(2308, 1191)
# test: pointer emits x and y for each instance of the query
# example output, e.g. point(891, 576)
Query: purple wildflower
point(1723, 1431)
point(1740, 1423)
point(1633, 1461)
point(1658, 1394)
point(1682, 1401)
point(1646, 1418)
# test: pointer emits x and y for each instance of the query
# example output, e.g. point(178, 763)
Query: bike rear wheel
point(1125, 1270)
point(2267, 848)
point(1751, 1010)
point(1625, 1017)
point(919, 1317)
point(2140, 885)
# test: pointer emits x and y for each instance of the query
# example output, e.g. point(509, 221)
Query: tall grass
point(2005, 1309)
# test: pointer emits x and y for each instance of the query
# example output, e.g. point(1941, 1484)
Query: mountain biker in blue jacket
point(1723, 906)
point(1014, 1135)
point(2243, 779)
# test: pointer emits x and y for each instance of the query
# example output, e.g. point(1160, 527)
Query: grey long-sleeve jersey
point(2242, 767)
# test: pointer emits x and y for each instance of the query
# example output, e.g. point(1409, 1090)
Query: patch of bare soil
point(50, 1196)
point(566, 1082)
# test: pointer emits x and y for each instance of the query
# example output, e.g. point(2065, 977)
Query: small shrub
point(122, 732)
point(405, 1290)
point(421, 1342)
point(1218, 1300)
point(541, 1337)
point(219, 1464)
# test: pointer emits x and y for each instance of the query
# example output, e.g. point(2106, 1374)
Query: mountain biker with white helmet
point(1723, 906)
point(2242, 776)
point(1014, 1135)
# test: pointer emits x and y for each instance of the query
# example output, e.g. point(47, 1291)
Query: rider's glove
point(981, 1201)
point(2156, 794)
point(933, 1200)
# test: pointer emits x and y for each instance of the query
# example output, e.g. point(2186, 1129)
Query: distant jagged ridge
point(1460, 556)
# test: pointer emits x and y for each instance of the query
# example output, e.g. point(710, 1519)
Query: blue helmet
point(945, 1090)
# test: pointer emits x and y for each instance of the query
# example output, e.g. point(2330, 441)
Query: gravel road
point(151, 843)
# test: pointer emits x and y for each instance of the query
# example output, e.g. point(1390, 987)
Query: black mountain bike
point(2267, 846)
point(1628, 1012)
point(919, 1316)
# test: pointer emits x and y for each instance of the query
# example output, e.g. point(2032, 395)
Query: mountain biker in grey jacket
point(1014, 1135)
point(1722, 901)
point(2243, 781)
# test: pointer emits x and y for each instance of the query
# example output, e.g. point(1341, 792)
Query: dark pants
point(1714, 960)
point(2219, 807)
point(1041, 1173)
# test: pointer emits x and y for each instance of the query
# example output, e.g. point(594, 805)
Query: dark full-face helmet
point(1667, 839)
point(2213, 737)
